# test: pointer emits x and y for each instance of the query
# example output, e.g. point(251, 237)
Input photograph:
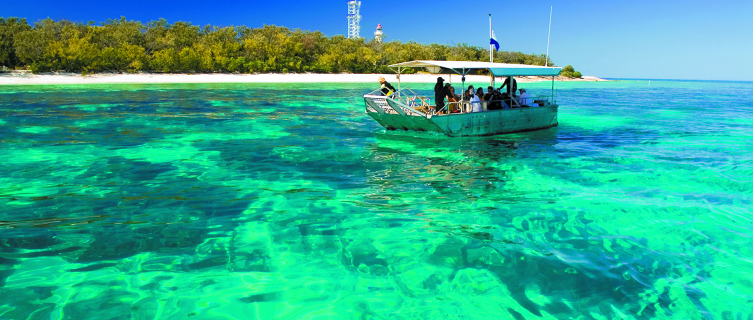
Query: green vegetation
point(569, 71)
point(130, 46)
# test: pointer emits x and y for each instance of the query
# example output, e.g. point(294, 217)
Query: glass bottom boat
point(405, 110)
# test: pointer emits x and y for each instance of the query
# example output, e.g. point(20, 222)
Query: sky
point(693, 40)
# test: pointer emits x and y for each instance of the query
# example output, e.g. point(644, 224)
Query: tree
point(569, 72)
point(126, 45)
point(9, 29)
point(31, 45)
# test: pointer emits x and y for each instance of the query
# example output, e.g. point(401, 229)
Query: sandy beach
point(27, 78)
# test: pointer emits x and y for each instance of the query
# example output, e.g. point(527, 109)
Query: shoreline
point(58, 78)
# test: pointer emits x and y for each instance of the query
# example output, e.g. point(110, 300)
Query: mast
point(491, 57)
point(546, 63)
point(491, 51)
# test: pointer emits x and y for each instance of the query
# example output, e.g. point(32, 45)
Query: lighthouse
point(378, 34)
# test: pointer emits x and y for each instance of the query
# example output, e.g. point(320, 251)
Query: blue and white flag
point(493, 41)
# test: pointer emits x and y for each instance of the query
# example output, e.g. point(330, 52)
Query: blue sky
point(617, 39)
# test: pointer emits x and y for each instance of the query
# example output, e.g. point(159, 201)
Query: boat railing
point(377, 98)
point(466, 106)
point(423, 105)
point(376, 92)
point(395, 95)
point(412, 99)
point(412, 105)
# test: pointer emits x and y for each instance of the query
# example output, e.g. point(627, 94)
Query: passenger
point(492, 99)
point(452, 97)
point(456, 96)
point(524, 99)
point(471, 91)
point(468, 94)
point(480, 94)
point(387, 88)
point(497, 100)
point(476, 101)
point(511, 88)
point(439, 94)
point(489, 93)
point(507, 100)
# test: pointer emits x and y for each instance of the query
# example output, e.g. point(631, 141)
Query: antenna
point(354, 19)
point(546, 63)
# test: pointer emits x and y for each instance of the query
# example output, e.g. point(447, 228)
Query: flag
point(493, 41)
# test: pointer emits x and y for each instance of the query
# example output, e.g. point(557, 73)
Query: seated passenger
point(457, 96)
point(498, 97)
point(476, 101)
point(471, 91)
point(452, 97)
point(489, 93)
point(492, 99)
point(524, 99)
point(497, 101)
point(387, 89)
point(446, 93)
point(507, 100)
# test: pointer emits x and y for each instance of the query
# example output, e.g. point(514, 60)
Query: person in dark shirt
point(387, 88)
point(489, 93)
point(467, 95)
point(442, 91)
point(514, 86)
point(507, 100)
point(497, 98)
point(439, 94)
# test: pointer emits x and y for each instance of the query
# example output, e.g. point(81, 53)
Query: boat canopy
point(464, 67)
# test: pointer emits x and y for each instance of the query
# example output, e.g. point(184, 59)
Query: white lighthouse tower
point(378, 34)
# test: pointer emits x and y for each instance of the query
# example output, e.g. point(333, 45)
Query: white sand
point(24, 78)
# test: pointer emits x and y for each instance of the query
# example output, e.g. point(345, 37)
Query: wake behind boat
point(406, 110)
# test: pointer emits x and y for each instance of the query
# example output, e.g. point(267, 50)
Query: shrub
point(569, 72)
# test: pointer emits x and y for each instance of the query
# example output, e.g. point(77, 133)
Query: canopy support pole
point(552, 102)
point(463, 86)
point(509, 87)
point(398, 79)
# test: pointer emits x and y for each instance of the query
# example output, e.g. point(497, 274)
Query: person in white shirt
point(476, 101)
point(524, 99)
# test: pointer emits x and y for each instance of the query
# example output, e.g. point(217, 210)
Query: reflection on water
point(203, 201)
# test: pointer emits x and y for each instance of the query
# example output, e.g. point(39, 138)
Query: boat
point(406, 110)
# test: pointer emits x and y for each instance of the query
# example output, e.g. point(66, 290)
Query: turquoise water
point(287, 201)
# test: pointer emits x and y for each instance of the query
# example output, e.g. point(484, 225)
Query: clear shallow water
point(288, 202)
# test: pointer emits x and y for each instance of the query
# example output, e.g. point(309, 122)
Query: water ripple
point(287, 201)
